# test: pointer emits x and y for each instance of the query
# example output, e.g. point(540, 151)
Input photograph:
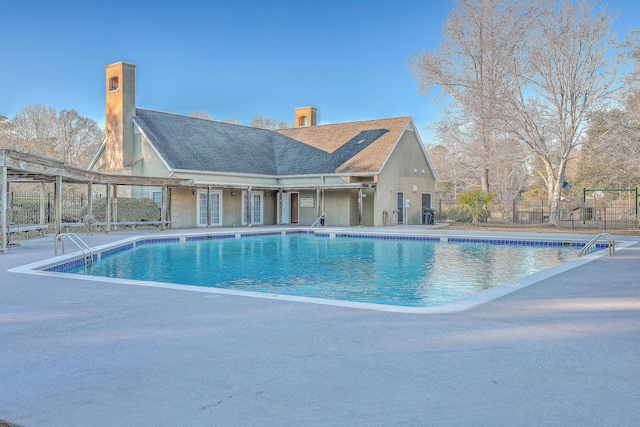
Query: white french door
point(216, 208)
point(257, 207)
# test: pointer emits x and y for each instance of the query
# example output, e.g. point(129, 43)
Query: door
point(400, 217)
point(256, 208)
point(294, 208)
point(426, 201)
point(215, 206)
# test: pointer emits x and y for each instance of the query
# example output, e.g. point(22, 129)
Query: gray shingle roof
point(189, 143)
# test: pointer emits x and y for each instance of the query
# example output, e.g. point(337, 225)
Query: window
point(302, 121)
point(114, 84)
point(156, 196)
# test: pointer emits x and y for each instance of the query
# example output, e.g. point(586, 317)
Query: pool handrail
point(321, 217)
point(611, 244)
point(87, 253)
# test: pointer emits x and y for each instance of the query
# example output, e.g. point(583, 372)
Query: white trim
point(97, 155)
point(155, 150)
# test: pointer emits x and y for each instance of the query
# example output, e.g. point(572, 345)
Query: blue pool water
point(397, 272)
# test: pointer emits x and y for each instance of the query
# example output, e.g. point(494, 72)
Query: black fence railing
point(34, 209)
point(612, 215)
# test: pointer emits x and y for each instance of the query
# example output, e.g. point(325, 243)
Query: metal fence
point(28, 208)
point(611, 215)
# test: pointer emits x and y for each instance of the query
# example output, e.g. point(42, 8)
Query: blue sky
point(228, 58)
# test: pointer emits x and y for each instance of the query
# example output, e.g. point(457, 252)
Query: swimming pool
point(410, 271)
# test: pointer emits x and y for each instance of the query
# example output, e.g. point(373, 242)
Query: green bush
point(129, 210)
point(475, 204)
point(461, 215)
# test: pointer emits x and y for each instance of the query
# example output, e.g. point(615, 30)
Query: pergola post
point(42, 193)
point(57, 195)
point(163, 209)
point(3, 209)
point(114, 215)
point(90, 199)
point(107, 226)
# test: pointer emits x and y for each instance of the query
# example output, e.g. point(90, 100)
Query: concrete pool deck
point(563, 351)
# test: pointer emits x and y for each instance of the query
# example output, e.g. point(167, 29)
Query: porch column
point(107, 226)
point(360, 206)
point(3, 209)
point(58, 205)
point(208, 206)
point(247, 207)
point(318, 210)
point(279, 208)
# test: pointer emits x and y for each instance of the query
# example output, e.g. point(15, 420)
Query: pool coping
point(460, 305)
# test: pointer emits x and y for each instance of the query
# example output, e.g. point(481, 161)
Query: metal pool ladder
point(611, 242)
point(320, 218)
point(87, 254)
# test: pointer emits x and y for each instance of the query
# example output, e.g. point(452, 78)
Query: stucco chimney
point(305, 116)
point(120, 110)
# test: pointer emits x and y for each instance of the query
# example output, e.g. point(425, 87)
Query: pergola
point(18, 166)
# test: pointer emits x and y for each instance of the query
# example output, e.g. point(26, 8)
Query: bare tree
point(200, 115)
point(610, 156)
point(479, 37)
point(231, 120)
point(77, 138)
point(569, 67)
point(34, 127)
point(67, 136)
point(5, 131)
point(264, 122)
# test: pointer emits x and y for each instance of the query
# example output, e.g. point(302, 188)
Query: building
point(370, 173)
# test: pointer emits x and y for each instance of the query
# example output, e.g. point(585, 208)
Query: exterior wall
point(337, 206)
point(183, 208)
point(231, 208)
point(402, 172)
point(368, 207)
point(307, 215)
point(269, 212)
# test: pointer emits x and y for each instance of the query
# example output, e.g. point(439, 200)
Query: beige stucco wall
point(402, 172)
point(183, 208)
